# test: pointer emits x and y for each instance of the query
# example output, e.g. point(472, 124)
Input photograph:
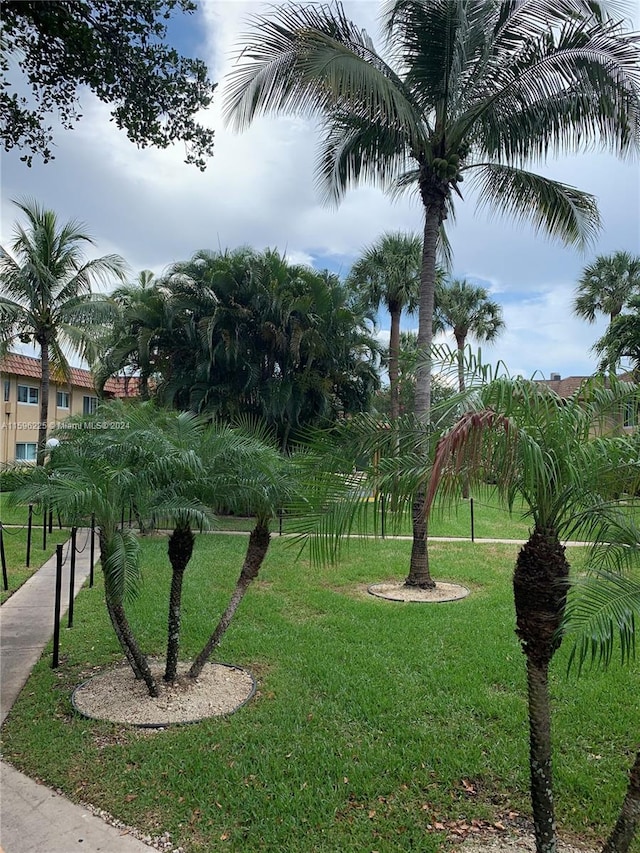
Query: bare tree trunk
point(419, 564)
point(629, 819)
point(44, 400)
point(180, 551)
point(254, 557)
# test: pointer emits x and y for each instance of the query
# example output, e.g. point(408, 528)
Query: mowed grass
point(491, 520)
point(375, 723)
point(15, 548)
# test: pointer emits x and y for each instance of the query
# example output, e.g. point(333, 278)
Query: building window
point(62, 399)
point(7, 390)
point(89, 405)
point(28, 394)
point(26, 451)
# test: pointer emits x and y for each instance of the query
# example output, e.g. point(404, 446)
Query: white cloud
point(259, 190)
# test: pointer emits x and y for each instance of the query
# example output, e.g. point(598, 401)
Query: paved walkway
point(34, 819)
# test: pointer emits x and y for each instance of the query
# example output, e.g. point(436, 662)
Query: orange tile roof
point(26, 365)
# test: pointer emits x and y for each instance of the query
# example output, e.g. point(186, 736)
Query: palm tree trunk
point(44, 400)
point(394, 350)
point(122, 629)
point(419, 564)
point(122, 641)
point(629, 819)
point(460, 347)
point(141, 663)
point(254, 557)
point(419, 575)
point(540, 593)
point(540, 757)
point(180, 551)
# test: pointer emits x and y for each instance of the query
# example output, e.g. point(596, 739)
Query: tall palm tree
point(466, 310)
point(465, 90)
point(135, 336)
point(46, 294)
point(622, 339)
point(606, 286)
point(541, 449)
point(388, 273)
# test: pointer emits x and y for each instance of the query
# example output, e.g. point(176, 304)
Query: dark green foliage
point(117, 49)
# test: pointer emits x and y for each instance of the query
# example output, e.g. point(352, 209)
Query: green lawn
point(374, 721)
point(15, 548)
point(491, 521)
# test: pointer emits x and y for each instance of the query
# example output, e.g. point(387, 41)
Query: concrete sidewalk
point(34, 819)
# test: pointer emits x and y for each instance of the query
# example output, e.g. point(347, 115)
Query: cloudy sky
point(259, 190)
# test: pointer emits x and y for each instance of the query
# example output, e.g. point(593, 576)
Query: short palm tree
point(466, 310)
point(607, 285)
point(388, 273)
point(541, 449)
point(262, 483)
point(84, 479)
point(46, 294)
point(463, 91)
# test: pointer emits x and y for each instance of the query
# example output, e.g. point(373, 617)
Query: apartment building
point(21, 389)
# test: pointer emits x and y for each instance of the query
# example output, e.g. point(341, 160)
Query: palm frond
point(601, 615)
point(564, 212)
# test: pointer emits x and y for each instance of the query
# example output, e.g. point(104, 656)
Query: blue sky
point(259, 190)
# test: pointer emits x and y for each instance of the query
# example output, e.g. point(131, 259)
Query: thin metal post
point(382, 513)
point(44, 528)
point(3, 560)
point(72, 576)
point(29, 525)
point(56, 609)
point(92, 548)
point(50, 521)
point(280, 522)
point(122, 520)
point(472, 520)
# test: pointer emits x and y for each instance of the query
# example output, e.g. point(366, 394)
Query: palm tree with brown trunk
point(388, 273)
point(541, 449)
point(466, 310)
point(263, 483)
point(462, 91)
point(46, 295)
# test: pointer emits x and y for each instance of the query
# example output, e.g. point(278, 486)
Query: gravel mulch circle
point(116, 695)
point(397, 591)
point(513, 844)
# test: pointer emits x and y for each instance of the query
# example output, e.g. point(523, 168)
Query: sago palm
point(46, 294)
point(464, 90)
point(553, 455)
